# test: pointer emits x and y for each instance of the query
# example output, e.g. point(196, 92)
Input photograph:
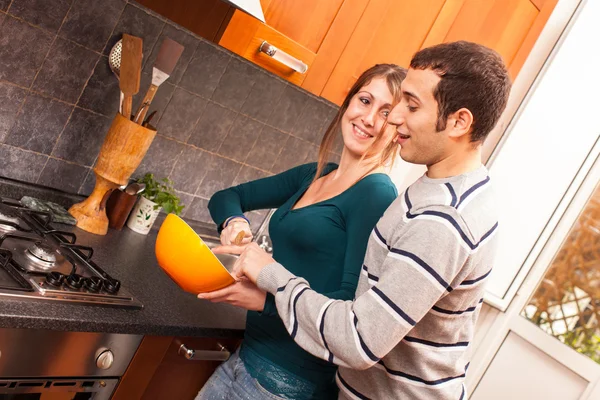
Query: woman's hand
point(232, 234)
point(243, 293)
point(251, 261)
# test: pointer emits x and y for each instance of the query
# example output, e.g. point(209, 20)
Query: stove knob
point(105, 359)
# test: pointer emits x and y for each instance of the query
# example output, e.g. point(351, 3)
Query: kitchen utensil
point(118, 208)
point(149, 118)
point(114, 62)
point(238, 239)
point(138, 114)
point(130, 70)
point(184, 256)
point(123, 149)
point(135, 188)
point(168, 55)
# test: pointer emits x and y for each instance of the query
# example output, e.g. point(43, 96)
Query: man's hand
point(243, 294)
point(251, 261)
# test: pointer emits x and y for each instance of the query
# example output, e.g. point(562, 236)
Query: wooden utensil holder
point(124, 147)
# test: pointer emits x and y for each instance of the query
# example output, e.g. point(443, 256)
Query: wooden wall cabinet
point(338, 39)
point(159, 372)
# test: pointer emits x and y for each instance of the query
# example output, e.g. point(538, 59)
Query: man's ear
point(460, 123)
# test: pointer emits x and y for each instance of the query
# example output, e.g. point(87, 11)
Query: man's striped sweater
point(406, 334)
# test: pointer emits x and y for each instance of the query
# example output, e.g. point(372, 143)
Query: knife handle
point(141, 114)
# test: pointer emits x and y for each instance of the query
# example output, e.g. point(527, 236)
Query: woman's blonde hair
point(393, 75)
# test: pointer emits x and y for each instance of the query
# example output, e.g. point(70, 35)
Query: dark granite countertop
point(129, 257)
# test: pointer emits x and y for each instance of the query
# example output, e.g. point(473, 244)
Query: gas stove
point(40, 262)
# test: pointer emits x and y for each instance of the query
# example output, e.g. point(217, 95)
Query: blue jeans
point(231, 381)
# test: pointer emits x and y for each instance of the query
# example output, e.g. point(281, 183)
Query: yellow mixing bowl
point(187, 259)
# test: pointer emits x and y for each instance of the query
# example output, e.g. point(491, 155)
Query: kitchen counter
point(129, 257)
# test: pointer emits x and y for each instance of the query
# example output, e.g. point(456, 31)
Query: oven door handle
point(204, 355)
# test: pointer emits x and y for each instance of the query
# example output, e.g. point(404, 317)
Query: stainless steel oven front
point(53, 365)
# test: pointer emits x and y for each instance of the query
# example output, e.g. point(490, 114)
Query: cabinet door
point(391, 31)
point(180, 378)
point(159, 372)
point(313, 31)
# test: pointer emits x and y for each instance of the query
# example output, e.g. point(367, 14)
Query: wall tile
point(311, 120)
point(241, 138)
point(101, 94)
point(313, 154)
point(88, 183)
point(185, 199)
point(236, 83)
point(22, 51)
point(39, 124)
point(293, 153)
point(161, 98)
point(65, 71)
point(263, 97)
point(11, 98)
point(212, 128)
point(137, 22)
point(248, 174)
point(90, 22)
point(47, 14)
point(288, 109)
point(185, 39)
point(82, 138)
point(4, 4)
point(205, 70)
point(198, 211)
point(266, 149)
point(20, 164)
point(62, 175)
point(181, 115)
point(220, 175)
point(189, 170)
point(160, 158)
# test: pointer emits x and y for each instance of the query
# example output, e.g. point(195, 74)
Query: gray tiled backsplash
point(221, 120)
point(38, 124)
point(44, 13)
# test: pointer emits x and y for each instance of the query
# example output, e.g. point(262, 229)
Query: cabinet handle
point(283, 57)
point(204, 355)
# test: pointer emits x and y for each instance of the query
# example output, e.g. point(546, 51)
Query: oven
point(53, 365)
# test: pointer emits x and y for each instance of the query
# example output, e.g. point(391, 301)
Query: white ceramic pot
point(143, 216)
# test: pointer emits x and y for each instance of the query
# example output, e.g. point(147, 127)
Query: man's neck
point(456, 164)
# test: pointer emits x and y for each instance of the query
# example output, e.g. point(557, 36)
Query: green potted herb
point(157, 195)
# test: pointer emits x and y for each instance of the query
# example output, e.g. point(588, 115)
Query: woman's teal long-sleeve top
point(325, 243)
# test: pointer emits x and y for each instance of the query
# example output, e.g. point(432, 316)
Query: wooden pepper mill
point(124, 147)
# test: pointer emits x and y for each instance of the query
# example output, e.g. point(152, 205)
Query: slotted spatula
point(131, 68)
point(167, 58)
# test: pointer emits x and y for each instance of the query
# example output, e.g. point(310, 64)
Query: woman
point(325, 213)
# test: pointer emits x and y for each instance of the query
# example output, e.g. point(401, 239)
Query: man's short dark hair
point(473, 77)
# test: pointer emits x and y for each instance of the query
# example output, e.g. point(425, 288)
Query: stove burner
point(41, 252)
point(74, 281)
point(112, 286)
point(93, 284)
point(7, 221)
point(55, 278)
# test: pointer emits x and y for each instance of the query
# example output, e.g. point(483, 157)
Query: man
point(406, 333)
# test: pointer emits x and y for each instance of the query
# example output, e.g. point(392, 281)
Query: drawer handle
point(283, 57)
point(204, 355)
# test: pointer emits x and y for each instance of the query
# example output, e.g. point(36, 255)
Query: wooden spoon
point(131, 68)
